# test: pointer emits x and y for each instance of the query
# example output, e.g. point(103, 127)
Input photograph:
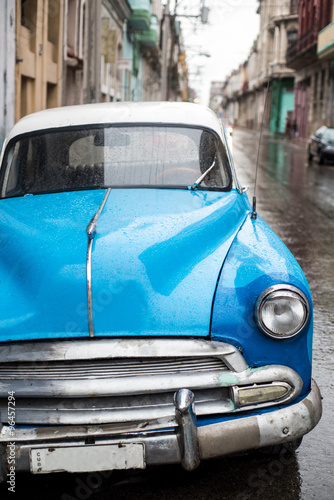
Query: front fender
point(257, 260)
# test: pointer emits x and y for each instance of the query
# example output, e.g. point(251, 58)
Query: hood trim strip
point(91, 231)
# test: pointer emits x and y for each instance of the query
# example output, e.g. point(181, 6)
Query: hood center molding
point(91, 231)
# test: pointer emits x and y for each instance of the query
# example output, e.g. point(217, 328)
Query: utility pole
point(165, 44)
point(92, 65)
point(168, 42)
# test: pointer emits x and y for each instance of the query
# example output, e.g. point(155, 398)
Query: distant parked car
point(147, 314)
point(227, 125)
point(321, 144)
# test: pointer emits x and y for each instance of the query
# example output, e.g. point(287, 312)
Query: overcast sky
point(233, 26)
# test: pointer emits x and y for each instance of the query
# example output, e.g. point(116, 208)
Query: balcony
point(325, 46)
point(140, 19)
point(303, 52)
point(150, 38)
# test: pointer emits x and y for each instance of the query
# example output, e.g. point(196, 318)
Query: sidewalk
point(297, 141)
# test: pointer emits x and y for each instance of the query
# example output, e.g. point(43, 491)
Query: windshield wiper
point(200, 179)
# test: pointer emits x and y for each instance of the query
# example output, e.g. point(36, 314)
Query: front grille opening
point(113, 409)
point(102, 368)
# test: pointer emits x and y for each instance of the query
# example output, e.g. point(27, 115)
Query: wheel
point(277, 449)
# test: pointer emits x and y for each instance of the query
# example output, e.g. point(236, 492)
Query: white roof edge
point(118, 112)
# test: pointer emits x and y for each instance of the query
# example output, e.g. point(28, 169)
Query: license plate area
point(87, 458)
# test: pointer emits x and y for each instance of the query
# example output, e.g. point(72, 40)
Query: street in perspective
point(166, 249)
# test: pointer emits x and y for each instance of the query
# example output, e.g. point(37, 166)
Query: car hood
point(156, 258)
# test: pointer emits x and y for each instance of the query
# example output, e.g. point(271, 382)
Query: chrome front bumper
point(185, 443)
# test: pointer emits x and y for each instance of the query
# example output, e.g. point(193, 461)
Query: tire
point(277, 449)
point(321, 159)
point(310, 155)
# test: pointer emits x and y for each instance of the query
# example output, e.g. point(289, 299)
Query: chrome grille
point(115, 381)
point(111, 410)
point(105, 369)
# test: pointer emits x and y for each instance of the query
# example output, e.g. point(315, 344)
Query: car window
point(120, 156)
point(329, 136)
point(319, 133)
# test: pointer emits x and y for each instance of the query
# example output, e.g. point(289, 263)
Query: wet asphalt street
point(297, 201)
point(296, 198)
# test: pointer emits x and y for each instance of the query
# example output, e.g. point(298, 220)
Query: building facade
point(293, 59)
point(66, 52)
point(313, 66)
point(325, 53)
point(265, 72)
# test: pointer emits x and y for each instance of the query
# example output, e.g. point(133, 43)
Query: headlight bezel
point(284, 291)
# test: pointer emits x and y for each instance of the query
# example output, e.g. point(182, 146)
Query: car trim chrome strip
point(121, 348)
point(125, 386)
point(91, 231)
point(89, 288)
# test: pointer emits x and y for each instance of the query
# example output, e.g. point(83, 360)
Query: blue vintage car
point(147, 316)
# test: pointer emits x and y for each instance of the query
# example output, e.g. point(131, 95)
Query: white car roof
point(179, 113)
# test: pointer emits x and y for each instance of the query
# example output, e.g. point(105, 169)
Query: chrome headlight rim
point(289, 291)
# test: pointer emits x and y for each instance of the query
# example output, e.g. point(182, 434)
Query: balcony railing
point(302, 44)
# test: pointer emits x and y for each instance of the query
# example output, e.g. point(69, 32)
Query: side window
point(12, 171)
point(212, 149)
point(320, 132)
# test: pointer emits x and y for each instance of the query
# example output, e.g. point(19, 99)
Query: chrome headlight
point(282, 311)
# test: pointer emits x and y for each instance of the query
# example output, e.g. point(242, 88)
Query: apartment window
point(292, 36)
point(72, 25)
point(82, 31)
point(53, 21)
point(28, 14)
point(76, 27)
point(322, 84)
point(310, 15)
point(303, 18)
point(51, 95)
point(27, 96)
point(315, 89)
point(293, 6)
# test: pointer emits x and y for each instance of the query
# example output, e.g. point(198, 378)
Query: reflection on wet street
point(296, 199)
point(243, 477)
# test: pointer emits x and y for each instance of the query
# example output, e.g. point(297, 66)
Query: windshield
point(117, 156)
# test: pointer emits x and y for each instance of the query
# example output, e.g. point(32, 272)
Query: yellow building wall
point(38, 55)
